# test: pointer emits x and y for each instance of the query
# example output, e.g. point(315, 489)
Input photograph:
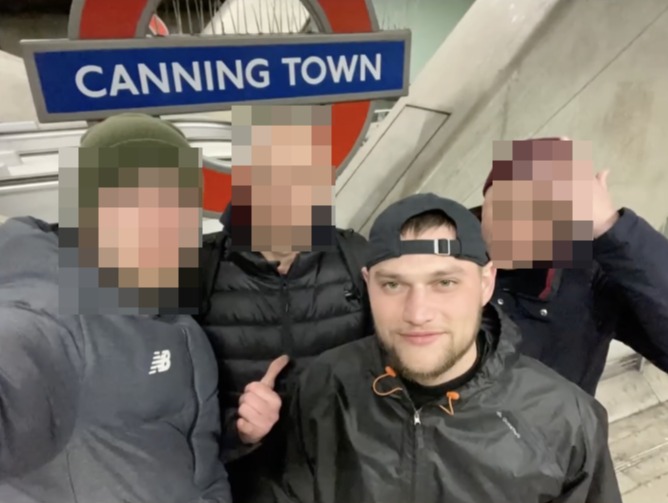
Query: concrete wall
point(430, 22)
point(592, 69)
point(16, 104)
point(13, 28)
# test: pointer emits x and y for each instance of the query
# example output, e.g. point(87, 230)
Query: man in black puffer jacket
point(267, 296)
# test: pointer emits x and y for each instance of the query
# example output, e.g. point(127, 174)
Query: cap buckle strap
point(437, 247)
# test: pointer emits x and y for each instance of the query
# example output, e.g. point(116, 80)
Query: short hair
point(428, 220)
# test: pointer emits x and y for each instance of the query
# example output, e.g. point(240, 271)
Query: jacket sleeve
point(211, 475)
point(233, 447)
point(310, 473)
point(592, 476)
point(633, 259)
point(41, 367)
point(298, 481)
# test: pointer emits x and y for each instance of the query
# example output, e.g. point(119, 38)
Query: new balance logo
point(162, 360)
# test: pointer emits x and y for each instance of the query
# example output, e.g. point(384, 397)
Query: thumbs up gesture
point(260, 405)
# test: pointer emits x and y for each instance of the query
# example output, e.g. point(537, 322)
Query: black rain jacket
point(516, 433)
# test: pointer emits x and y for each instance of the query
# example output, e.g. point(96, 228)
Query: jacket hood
point(28, 263)
point(502, 338)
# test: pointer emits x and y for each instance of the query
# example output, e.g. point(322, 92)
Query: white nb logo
point(162, 360)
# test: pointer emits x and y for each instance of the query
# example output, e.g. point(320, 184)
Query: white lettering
point(374, 69)
point(236, 78)
point(81, 86)
point(291, 62)
point(343, 66)
point(199, 76)
point(146, 74)
point(314, 81)
point(195, 81)
point(263, 74)
point(208, 75)
point(121, 81)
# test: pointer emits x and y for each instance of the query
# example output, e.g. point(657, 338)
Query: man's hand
point(605, 213)
point(260, 405)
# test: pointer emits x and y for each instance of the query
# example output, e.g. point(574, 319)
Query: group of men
point(454, 356)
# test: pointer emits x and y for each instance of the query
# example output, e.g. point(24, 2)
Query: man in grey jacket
point(96, 406)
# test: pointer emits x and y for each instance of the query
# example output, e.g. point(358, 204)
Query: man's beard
point(451, 357)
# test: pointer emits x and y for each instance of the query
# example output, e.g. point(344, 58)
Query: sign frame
point(33, 47)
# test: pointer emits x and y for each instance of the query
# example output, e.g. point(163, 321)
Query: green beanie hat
point(134, 130)
point(134, 140)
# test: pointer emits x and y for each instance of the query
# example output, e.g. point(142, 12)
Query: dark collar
point(540, 284)
point(254, 263)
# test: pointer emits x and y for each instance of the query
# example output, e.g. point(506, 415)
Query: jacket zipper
point(287, 341)
point(418, 447)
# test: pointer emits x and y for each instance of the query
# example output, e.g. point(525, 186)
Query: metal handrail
point(28, 180)
point(25, 134)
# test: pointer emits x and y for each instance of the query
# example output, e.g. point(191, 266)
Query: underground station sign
point(93, 79)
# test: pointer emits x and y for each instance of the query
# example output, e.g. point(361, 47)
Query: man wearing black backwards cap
point(440, 406)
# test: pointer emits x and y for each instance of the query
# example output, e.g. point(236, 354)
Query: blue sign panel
point(94, 79)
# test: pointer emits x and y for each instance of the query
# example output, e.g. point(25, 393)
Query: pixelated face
point(539, 211)
point(282, 177)
point(149, 232)
point(130, 234)
point(427, 308)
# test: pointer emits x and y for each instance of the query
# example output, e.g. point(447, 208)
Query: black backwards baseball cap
point(385, 241)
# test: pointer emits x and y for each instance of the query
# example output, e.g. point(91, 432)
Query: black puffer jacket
point(518, 432)
point(255, 315)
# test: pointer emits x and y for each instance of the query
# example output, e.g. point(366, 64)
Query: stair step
point(631, 391)
point(639, 446)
